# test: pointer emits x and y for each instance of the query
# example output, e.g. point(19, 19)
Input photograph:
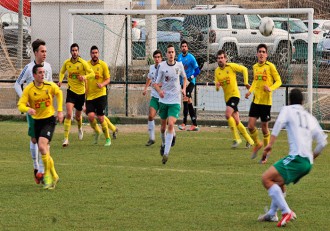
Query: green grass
point(204, 186)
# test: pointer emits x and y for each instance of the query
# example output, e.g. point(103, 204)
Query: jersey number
point(303, 121)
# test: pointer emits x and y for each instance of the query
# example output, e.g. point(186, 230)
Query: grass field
point(126, 187)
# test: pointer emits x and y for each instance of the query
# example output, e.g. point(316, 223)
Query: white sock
point(151, 129)
point(276, 194)
point(273, 207)
point(168, 143)
point(41, 164)
point(174, 132)
point(162, 137)
point(34, 154)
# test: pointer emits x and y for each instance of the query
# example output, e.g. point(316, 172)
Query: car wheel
point(283, 55)
point(231, 52)
point(27, 50)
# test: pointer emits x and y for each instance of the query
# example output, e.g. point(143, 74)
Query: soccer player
point(169, 89)
point(40, 53)
point(96, 96)
point(37, 101)
point(154, 101)
point(192, 70)
point(265, 80)
point(78, 73)
point(302, 129)
point(225, 77)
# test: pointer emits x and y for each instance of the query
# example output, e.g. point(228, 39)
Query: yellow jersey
point(264, 75)
point(227, 78)
point(80, 67)
point(41, 99)
point(102, 73)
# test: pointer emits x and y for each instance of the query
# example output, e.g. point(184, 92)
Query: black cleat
point(162, 149)
point(150, 142)
point(173, 141)
point(114, 134)
point(165, 158)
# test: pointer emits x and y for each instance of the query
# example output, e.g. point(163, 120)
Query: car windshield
point(297, 26)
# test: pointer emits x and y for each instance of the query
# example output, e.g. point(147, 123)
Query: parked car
point(299, 35)
point(239, 35)
point(320, 26)
point(9, 27)
point(323, 51)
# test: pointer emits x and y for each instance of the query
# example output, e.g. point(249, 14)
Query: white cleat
point(65, 143)
point(80, 133)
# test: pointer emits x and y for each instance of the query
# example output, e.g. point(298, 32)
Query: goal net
point(127, 38)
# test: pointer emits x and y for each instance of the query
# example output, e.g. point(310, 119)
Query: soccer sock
point(192, 114)
point(244, 133)
point(151, 129)
point(185, 112)
point(266, 138)
point(110, 125)
point(52, 168)
point(168, 142)
point(34, 153)
point(278, 199)
point(79, 122)
point(233, 128)
point(45, 159)
point(105, 129)
point(67, 127)
point(162, 137)
point(254, 136)
point(41, 164)
point(95, 127)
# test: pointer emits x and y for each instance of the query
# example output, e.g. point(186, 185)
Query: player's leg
point(112, 127)
point(78, 105)
point(153, 108)
point(230, 109)
point(185, 113)
point(191, 109)
point(163, 114)
point(254, 114)
point(241, 128)
point(100, 104)
point(92, 121)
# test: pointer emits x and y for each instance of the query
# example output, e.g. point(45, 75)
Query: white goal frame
point(308, 11)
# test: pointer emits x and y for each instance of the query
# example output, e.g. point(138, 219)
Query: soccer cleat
point(264, 158)
point(107, 142)
point(35, 171)
point(286, 217)
point(236, 143)
point(65, 143)
point(193, 128)
point(80, 133)
point(165, 158)
point(39, 178)
point(248, 145)
point(115, 133)
point(96, 137)
point(182, 127)
point(162, 149)
point(173, 141)
point(150, 142)
point(55, 181)
point(268, 218)
point(255, 150)
point(48, 182)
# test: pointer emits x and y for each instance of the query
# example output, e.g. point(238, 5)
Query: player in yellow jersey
point(37, 100)
point(78, 73)
point(266, 79)
point(96, 96)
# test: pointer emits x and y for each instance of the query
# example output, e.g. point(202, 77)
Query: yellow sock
point(233, 127)
point(79, 122)
point(52, 168)
point(45, 160)
point(254, 136)
point(110, 125)
point(67, 127)
point(266, 139)
point(95, 127)
point(244, 133)
point(105, 129)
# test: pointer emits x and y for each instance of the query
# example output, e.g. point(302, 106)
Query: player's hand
point(99, 85)
point(81, 78)
point(60, 116)
point(248, 86)
point(59, 84)
point(247, 95)
point(31, 111)
point(266, 88)
point(144, 92)
point(161, 94)
point(183, 92)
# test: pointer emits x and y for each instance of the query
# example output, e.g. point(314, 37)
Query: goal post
point(121, 14)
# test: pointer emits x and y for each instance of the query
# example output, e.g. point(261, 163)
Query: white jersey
point(26, 76)
point(169, 77)
point(153, 75)
point(302, 129)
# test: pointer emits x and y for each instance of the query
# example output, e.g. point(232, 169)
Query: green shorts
point(154, 103)
point(292, 168)
point(169, 110)
point(30, 121)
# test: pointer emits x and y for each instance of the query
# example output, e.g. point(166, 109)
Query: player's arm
point(50, 74)
point(148, 82)
point(20, 80)
point(61, 75)
point(88, 70)
point(321, 139)
point(59, 98)
point(184, 78)
point(23, 102)
point(157, 84)
point(242, 69)
point(216, 81)
point(276, 77)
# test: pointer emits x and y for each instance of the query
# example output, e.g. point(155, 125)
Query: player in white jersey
point(26, 76)
point(169, 89)
point(302, 129)
point(154, 101)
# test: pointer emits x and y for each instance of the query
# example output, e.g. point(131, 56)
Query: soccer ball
point(266, 26)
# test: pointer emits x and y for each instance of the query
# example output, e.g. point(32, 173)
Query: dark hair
point(296, 96)
point(157, 52)
point(94, 48)
point(35, 68)
point(262, 46)
point(170, 45)
point(183, 42)
point(74, 45)
point(37, 43)
point(221, 52)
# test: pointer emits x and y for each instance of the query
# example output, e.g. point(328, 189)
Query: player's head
point(39, 50)
point(157, 55)
point(262, 53)
point(170, 53)
point(38, 73)
point(296, 96)
point(74, 49)
point(184, 46)
point(94, 53)
point(221, 58)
